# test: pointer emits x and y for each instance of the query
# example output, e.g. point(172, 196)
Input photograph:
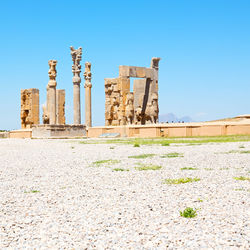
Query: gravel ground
point(53, 196)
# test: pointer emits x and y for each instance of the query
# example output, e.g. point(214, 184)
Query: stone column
point(88, 86)
point(51, 102)
point(60, 106)
point(47, 100)
point(155, 65)
point(29, 107)
point(76, 70)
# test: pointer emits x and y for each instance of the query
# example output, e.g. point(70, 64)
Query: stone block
point(140, 72)
point(124, 84)
point(20, 134)
point(29, 107)
point(4, 134)
point(58, 131)
point(132, 71)
point(149, 73)
point(110, 135)
point(60, 106)
point(124, 71)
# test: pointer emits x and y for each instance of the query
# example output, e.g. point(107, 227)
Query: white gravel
point(83, 207)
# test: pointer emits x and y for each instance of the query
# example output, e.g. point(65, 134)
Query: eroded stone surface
point(120, 108)
point(50, 109)
point(88, 85)
point(60, 107)
point(29, 107)
point(76, 70)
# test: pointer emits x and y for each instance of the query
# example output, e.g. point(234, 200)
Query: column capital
point(76, 70)
point(88, 85)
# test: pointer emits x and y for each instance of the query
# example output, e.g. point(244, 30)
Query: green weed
point(180, 181)
point(120, 169)
point(189, 168)
point(171, 155)
point(242, 178)
point(188, 213)
point(32, 191)
point(237, 152)
point(175, 140)
point(105, 162)
point(148, 167)
point(143, 156)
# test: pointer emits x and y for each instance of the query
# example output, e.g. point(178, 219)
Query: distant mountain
point(170, 117)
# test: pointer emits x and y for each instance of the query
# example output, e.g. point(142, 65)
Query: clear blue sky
point(204, 46)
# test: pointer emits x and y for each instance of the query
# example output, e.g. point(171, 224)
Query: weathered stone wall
point(60, 106)
point(174, 130)
point(29, 107)
point(123, 107)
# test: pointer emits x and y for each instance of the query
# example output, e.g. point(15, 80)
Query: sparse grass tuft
point(189, 168)
point(180, 181)
point(208, 169)
point(104, 162)
point(111, 147)
point(200, 200)
point(188, 213)
point(245, 152)
point(120, 169)
point(32, 191)
point(237, 152)
point(171, 155)
point(242, 178)
point(143, 156)
point(148, 167)
point(136, 145)
point(241, 146)
point(224, 168)
point(165, 144)
point(176, 140)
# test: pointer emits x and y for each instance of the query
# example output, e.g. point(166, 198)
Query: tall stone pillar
point(76, 70)
point(47, 100)
point(29, 107)
point(155, 65)
point(88, 86)
point(51, 101)
point(60, 106)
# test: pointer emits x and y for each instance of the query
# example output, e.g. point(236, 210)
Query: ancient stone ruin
point(88, 85)
point(76, 70)
point(29, 107)
point(54, 110)
point(123, 107)
point(54, 121)
point(60, 107)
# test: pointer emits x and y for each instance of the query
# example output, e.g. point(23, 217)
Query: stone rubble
point(52, 197)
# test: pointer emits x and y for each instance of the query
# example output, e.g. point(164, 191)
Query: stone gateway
point(123, 107)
